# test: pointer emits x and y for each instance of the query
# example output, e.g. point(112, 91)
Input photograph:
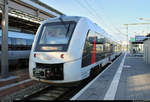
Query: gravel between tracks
point(19, 95)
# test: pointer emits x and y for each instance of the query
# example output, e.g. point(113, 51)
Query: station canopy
point(20, 18)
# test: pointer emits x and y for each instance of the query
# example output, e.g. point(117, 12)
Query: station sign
point(139, 38)
point(132, 39)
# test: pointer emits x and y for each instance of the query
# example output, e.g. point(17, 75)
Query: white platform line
point(80, 92)
point(111, 92)
point(7, 79)
point(12, 85)
point(135, 57)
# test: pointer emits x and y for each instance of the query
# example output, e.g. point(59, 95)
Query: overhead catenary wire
point(91, 12)
point(87, 9)
point(116, 28)
point(109, 26)
point(96, 15)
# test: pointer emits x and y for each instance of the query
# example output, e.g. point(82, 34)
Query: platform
point(127, 78)
point(19, 80)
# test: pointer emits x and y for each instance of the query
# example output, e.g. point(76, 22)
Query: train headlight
point(35, 55)
point(62, 56)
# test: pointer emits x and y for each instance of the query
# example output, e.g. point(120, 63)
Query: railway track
point(57, 92)
point(50, 93)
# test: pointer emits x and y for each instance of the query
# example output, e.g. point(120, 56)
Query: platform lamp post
point(4, 47)
point(127, 40)
point(145, 19)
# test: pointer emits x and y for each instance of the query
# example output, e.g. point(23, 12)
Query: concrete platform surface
point(128, 78)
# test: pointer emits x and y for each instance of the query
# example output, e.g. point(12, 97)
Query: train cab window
point(55, 36)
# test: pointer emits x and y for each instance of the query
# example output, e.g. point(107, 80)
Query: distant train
point(19, 46)
point(67, 48)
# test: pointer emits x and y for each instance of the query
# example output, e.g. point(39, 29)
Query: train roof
point(65, 18)
point(18, 35)
point(71, 18)
point(94, 26)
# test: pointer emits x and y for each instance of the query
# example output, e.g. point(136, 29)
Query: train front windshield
point(55, 36)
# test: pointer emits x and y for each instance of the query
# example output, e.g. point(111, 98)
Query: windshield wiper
point(68, 30)
point(63, 22)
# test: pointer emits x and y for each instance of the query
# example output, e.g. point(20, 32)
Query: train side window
point(9, 41)
point(13, 41)
point(86, 51)
point(9, 44)
point(24, 42)
point(20, 41)
point(91, 37)
point(100, 39)
point(19, 44)
point(100, 44)
point(86, 48)
point(107, 47)
point(29, 42)
point(0, 40)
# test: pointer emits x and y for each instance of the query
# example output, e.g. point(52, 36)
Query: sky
point(110, 15)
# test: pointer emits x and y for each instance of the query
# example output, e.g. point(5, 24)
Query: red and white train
point(65, 49)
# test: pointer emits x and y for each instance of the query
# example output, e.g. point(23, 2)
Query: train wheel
point(95, 71)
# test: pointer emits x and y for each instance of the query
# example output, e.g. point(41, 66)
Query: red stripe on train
point(93, 52)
